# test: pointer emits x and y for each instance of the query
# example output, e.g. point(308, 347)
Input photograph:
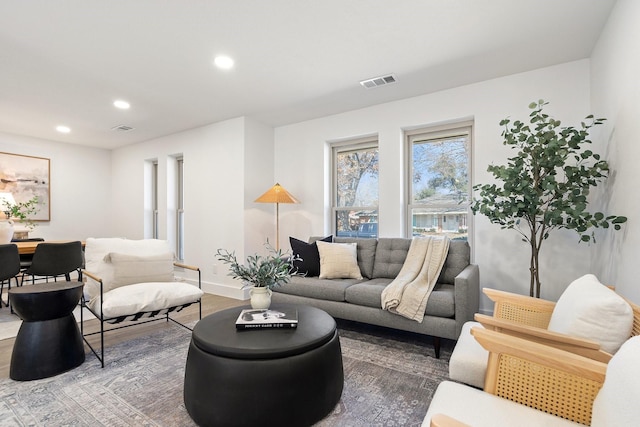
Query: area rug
point(389, 381)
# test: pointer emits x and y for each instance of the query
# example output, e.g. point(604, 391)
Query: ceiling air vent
point(122, 128)
point(378, 81)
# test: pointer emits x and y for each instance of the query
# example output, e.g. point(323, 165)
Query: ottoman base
point(291, 391)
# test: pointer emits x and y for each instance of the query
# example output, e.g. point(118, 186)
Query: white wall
point(226, 166)
point(80, 187)
point(302, 165)
point(615, 70)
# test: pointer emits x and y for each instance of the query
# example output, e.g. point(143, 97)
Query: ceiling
point(66, 61)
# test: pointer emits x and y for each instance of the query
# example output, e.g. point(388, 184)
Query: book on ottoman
point(270, 318)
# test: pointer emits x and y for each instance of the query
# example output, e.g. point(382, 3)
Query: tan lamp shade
point(277, 194)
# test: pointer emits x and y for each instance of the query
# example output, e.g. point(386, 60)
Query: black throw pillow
point(310, 263)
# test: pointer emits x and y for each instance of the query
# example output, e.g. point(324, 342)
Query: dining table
point(26, 248)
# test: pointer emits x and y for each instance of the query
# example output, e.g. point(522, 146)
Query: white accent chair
point(133, 281)
point(530, 384)
point(589, 319)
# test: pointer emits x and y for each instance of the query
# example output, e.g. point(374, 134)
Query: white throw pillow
point(144, 297)
point(132, 269)
point(590, 310)
point(338, 260)
point(616, 403)
point(97, 248)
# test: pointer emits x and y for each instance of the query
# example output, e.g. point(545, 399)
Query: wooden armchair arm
point(542, 377)
point(93, 276)
point(442, 420)
point(188, 267)
point(581, 346)
point(520, 308)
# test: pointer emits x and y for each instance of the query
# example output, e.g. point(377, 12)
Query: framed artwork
point(25, 177)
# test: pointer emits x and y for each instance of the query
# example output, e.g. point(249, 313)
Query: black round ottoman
point(263, 377)
point(49, 341)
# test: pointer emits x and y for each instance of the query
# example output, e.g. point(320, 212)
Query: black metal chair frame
point(152, 316)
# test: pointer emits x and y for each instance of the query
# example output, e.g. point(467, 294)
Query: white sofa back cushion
point(590, 310)
point(96, 249)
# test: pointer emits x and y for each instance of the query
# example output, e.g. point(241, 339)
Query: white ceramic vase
point(6, 232)
point(260, 297)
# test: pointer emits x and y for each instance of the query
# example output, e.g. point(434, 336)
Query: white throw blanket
point(407, 295)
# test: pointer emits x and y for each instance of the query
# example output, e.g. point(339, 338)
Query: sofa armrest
point(467, 295)
point(576, 345)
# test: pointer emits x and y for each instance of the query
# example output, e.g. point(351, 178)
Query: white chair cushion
point(617, 401)
point(144, 297)
point(131, 269)
point(590, 310)
point(480, 409)
point(338, 260)
point(97, 248)
point(468, 362)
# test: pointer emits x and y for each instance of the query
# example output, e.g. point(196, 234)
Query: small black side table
point(49, 341)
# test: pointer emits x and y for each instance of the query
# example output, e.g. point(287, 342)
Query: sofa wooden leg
point(436, 346)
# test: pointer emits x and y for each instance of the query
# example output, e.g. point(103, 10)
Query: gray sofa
point(454, 300)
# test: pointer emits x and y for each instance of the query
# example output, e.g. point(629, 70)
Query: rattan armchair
point(524, 317)
point(532, 384)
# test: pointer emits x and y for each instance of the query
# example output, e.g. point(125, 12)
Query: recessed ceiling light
point(223, 62)
point(63, 129)
point(123, 105)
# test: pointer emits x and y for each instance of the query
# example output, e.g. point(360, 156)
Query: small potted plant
point(261, 273)
point(20, 211)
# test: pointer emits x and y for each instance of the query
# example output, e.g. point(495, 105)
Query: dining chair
point(26, 259)
point(53, 260)
point(9, 267)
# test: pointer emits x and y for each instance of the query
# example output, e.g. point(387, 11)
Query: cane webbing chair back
point(522, 310)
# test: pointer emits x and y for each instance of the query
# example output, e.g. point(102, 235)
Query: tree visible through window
point(356, 190)
point(439, 182)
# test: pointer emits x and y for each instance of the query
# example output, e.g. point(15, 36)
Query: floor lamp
point(277, 194)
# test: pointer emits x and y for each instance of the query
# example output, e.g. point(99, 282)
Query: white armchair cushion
point(338, 260)
point(480, 409)
point(590, 310)
point(131, 269)
point(468, 362)
point(144, 297)
point(97, 248)
point(617, 401)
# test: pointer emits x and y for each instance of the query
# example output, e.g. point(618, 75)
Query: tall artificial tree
point(546, 184)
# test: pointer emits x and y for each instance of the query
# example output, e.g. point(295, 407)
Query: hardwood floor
point(210, 304)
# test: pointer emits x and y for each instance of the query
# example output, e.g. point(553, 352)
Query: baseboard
point(225, 290)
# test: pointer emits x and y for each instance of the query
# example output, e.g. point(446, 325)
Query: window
point(438, 181)
point(355, 189)
point(180, 208)
point(154, 201)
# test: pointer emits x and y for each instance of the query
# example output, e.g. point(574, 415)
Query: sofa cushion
point(131, 269)
point(338, 261)
point(367, 293)
point(590, 310)
point(310, 263)
point(366, 253)
point(390, 256)
point(144, 297)
point(314, 287)
point(458, 258)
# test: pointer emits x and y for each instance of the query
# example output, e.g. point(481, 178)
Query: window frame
point(359, 144)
